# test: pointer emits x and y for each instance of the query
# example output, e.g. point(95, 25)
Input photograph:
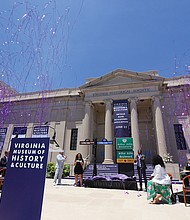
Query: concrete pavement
point(76, 203)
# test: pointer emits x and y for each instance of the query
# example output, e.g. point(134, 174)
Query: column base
point(108, 161)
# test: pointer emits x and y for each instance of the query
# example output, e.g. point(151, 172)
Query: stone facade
point(156, 104)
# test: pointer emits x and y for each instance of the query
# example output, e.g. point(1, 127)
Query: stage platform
point(112, 184)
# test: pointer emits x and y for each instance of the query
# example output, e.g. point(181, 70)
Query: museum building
point(158, 115)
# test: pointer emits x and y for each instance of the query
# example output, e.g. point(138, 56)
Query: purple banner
point(121, 123)
point(23, 189)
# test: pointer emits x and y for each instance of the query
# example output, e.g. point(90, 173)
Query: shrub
point(51, 170)
point(66, 170)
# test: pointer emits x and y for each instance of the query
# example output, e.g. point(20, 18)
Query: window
point(74, 135)
point(179, 136)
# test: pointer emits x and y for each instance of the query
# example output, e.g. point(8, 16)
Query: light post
point(94, 145)
point(95, 149)
point(53, 139)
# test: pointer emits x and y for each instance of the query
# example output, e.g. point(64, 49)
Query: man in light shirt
point(60, 159)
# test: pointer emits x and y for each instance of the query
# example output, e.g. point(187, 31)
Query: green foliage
point(51, 170)
point(66, 170)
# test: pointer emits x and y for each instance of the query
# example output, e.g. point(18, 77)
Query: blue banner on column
point(121, 122)
point(23, 189)
point(40, 131)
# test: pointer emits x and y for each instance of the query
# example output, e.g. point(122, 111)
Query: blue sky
point(93, 38)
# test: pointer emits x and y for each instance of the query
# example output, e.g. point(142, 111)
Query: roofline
point(142, 74)
point(43, 94)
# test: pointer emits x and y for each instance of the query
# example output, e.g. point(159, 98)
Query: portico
point(145, 113)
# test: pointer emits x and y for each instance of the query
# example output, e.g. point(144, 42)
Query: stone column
point(29, 130)
point(108, 133)
point(159, 125)
point(134, 124)
point(7, 142)
point(86, 133)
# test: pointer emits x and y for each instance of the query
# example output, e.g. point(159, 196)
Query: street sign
point(125, 154)
point(124, 143)
point(105, 142)
point(125, 160)
point(86, 142)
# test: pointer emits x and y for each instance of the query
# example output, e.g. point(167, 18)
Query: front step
point(149, 171)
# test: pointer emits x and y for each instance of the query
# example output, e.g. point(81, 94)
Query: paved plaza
point(76, 203)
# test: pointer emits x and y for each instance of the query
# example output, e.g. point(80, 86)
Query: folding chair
point(186, 187)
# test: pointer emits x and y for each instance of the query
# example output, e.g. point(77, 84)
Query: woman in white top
point(158, 188)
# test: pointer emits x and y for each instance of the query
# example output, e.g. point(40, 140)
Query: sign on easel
point(23, 189)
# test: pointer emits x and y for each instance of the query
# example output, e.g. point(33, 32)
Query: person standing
point(78, 169)
point(186, 172)
point(141, 168)
point(60, 159)
point(188, 164)
point(4, 160)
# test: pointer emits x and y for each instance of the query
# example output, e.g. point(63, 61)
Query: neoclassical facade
point(158, 115)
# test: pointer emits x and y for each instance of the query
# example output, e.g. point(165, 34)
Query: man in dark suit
point(188, 164)
point(4, 159)
point(141, 168)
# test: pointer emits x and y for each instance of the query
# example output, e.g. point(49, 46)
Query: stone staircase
point(102, 170)
point(112, 169)
point(149, 171)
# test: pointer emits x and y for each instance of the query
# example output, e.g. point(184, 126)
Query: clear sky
point(58, 44)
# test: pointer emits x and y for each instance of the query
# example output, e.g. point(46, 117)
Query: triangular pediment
point(122, 77)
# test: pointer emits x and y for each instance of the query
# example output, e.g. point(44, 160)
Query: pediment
point(122, 77)
point(118, 80)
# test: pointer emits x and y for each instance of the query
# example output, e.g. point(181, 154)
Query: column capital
point(156, 101)
point(156, 98)
point(108, 101)
point(133, 99)
point(88, 103)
